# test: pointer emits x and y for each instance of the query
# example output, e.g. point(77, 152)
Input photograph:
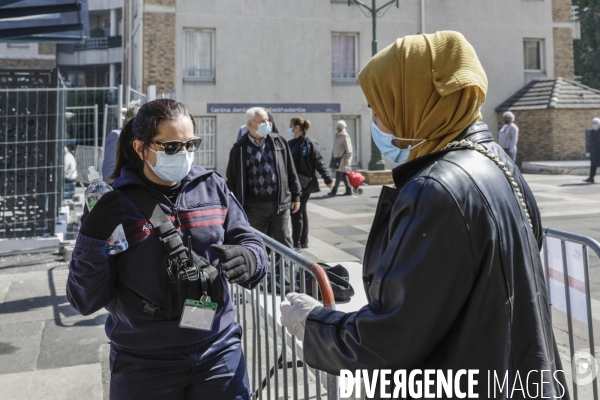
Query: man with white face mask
point(594, 149)
point(262, 175)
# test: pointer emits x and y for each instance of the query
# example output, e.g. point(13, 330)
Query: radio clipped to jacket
point(184, 274)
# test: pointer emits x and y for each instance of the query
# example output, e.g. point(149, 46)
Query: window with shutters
point(199, 55)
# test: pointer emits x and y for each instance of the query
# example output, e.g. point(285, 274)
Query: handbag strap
point(479, 148)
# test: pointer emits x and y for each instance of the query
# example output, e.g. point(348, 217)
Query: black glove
point(104, 218)
point(238, 262)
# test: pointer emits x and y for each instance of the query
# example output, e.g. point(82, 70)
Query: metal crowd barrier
point(574, 284)
point(264, 336)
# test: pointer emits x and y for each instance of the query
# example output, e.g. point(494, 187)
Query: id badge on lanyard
point(198, 314)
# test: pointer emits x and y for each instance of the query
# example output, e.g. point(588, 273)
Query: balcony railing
point(99, 43)
point(344, 75)
point(199, 74)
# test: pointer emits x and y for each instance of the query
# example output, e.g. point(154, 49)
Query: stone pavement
point(47, 350)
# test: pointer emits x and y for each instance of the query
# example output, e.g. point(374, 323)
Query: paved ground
point(48, 351)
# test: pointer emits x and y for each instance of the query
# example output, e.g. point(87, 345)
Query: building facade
point(27, 55)
point(96, 61)
point(219, 57)
point(553, 116)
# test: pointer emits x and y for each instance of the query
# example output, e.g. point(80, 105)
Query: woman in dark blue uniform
point(153, 357)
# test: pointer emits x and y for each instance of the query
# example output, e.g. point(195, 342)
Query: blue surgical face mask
point(172, 167)
point(264, 129)
point(384, 143)
point(291, 132)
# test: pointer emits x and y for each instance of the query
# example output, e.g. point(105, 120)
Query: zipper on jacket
point(278, 177)
point(243, 167)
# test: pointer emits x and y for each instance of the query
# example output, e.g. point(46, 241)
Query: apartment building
point(95, 61)
point(302, 58)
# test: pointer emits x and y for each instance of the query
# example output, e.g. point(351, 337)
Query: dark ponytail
point(304, 124)
point(126, 154)
point(144, 127)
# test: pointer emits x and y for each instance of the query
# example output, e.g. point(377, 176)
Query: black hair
point(144, 127)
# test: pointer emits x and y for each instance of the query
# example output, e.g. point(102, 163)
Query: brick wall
point(159, 50)
point(561, 10)
point(569, 129)
point(26, 63)
point(563, 53)
point(47, 48)
point(546, 135)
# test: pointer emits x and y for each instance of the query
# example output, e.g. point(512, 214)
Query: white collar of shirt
point(255, 141)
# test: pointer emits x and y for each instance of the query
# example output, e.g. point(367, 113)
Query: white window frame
point(356, 47)
point(542, 55)
point(212, 77)
point(206, 155)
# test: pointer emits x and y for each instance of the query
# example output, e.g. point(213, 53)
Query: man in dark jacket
point(262, 176)
point(594, 149)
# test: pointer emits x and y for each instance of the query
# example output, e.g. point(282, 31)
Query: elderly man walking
point(262, 176)
point(509, 135)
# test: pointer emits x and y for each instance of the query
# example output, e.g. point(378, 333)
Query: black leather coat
point(308, 160)
point(453, 277)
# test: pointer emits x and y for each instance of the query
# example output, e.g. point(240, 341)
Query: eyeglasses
point(174, 146)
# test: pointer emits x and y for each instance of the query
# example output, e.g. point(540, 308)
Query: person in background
point(594, 149)
point(153, 357)
point(244, 129)
point(262, 176)
point(451, 270)
point(308, 160)
point(509, 135)
point(342, 148)
point(110, 146)
point(70, 174)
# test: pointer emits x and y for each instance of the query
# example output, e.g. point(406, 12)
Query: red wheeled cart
point(356, 180)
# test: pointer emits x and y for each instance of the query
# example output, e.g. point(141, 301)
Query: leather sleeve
point(421, 282)
point(534, 211)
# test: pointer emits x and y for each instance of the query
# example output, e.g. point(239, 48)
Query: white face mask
point(172, 167)
point(595, 126)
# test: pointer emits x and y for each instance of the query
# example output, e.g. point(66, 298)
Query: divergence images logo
point(584, 366)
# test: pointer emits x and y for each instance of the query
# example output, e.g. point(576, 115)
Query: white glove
point(294, 312)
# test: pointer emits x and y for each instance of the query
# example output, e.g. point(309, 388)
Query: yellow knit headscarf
point(426, 87)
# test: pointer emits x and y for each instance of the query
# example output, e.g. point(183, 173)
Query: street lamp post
point(376, 163)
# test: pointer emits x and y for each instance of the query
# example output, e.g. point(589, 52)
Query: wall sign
point(275, 108)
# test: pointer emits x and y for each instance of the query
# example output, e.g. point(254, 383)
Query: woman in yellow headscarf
point(452, 268)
